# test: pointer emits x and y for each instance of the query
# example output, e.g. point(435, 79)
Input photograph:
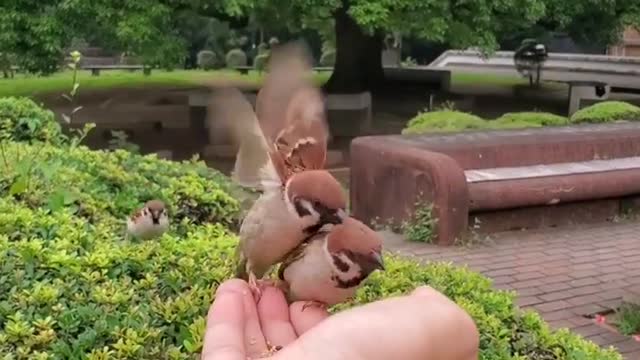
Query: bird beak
point(378, 260)
point(155, 218)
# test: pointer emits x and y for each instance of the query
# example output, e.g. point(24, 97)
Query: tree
point(360, 26)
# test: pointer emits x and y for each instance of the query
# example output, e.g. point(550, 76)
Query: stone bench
point(498, 180)
point(594, 91)
point(95, 69)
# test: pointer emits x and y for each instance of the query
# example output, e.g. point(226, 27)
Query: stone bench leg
point(95, 72)
point(386, 183)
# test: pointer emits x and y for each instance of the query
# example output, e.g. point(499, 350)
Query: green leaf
point(75, 89)
point(56, 201)
point(19, 186)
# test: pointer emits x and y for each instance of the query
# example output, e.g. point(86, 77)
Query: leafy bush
point(534, 119)
point(21, 119)
point(328, 58)
point(607, 111)
point(207, 60)
point(421, 225)
point(444, 120)
point(263, 48)
point(74, 288)
point(235, 58)
point(261, 61)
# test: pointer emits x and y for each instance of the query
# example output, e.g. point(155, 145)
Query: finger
point(224, 335)
point(305, 320)
point(255, 343)
point(424, 325)
point(273, 311)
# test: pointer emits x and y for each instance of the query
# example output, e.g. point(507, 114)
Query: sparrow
point(281, 153)
point(148, 222)
point(329, 266)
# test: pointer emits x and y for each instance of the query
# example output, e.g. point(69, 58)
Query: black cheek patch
point(340, 264)
point(300, 209)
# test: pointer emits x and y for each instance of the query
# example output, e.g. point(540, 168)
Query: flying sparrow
point(329, 266)
point(282, 151)
point(148, 222)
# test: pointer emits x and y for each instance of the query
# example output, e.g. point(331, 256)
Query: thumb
point(423, 325)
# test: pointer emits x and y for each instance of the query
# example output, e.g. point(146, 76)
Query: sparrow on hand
point(148, 222)
point(281, 152)
point(329, 266)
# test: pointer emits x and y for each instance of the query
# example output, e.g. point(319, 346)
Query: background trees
point(171, 32)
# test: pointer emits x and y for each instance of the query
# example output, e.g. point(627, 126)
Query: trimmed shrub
point(21, 119)
point(74, 288)
point(527, 119)
point(607, 111)
point(328, 58)
point(207, 60)
point(263, 48)
point(443, 121)
point(235, 58)
point(261, 61)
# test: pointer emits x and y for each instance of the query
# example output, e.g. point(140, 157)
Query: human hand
point(422, 325)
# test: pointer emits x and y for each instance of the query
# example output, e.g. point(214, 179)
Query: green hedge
point(445, 120)
point(21, 119)
point(451, 120)
point(607, 111)
point(73, 288)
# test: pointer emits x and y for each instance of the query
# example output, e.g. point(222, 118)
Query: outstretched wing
point(253, 166)
point(291, 112)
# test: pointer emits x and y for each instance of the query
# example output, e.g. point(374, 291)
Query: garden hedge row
point(73, 288)
point(450, 120)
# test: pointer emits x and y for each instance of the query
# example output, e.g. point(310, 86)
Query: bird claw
point(254, 287)
point(314, 303)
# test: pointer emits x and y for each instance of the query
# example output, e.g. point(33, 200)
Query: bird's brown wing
point(291, 112)
point(253, 166)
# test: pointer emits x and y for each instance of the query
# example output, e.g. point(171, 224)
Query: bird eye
point(316, 204)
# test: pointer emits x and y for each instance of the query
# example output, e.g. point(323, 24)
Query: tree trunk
point(358, 65)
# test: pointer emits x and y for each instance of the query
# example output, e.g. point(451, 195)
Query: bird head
point(354, 249)
point(316, 193)
point(156, 209)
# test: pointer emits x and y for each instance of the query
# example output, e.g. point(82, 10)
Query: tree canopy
point(38, 31)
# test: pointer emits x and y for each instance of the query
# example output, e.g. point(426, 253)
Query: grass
point(25, 85)
point(628, 318)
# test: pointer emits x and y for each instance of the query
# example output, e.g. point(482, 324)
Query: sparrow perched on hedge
point(282, 151)
point(329, 266)
point(148, 222)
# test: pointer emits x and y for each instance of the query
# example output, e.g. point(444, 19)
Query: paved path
point(562, 273)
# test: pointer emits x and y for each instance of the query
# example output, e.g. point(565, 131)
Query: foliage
point(628, 318)
point(444, 120)
point(451, 120)
point(235, 58)
point(75, 85)
point(6, 63)
point(261, 61)
point(607, 111)
point(74, 288)
point(263, 48)
point(328, 58)
point(506, 332)
point(421, 225)
point(207, 60)
point(21, 119)
point(534, 119)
